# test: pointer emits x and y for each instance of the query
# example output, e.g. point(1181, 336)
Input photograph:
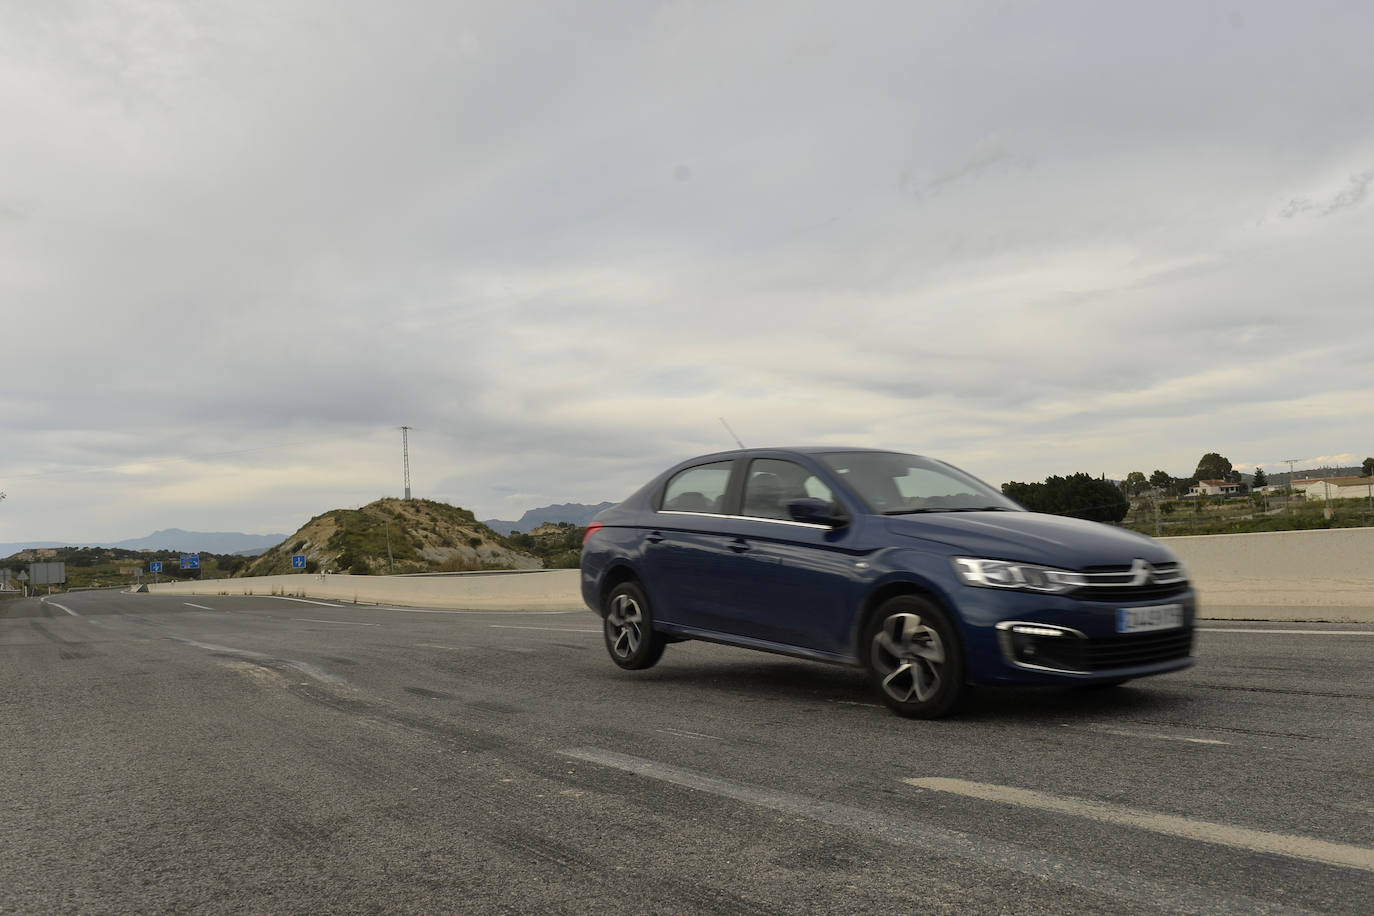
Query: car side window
point(773, 483)
point(698, 489)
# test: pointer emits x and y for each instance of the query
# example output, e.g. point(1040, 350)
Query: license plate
point(1143, 619)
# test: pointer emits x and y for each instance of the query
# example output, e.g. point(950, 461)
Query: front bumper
point(1015, 638)
point(1065, 651)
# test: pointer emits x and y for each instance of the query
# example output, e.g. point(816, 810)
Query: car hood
point(1033, 538)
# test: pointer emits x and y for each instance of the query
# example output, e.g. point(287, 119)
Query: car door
point(684, 550)
point(788, 580)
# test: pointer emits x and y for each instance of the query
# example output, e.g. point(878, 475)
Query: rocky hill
point(558, 544)
point(578, 514)
point(394, 536)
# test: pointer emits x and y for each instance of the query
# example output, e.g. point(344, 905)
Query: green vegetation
point(1212, 466)
point(1078, 495)
point(1242, 515)
point(110, 567)
point(558, 544)
point(394, 536)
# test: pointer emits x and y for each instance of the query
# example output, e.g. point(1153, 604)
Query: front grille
point(1075, 653)
point(1123, 593)
point(1138, 582)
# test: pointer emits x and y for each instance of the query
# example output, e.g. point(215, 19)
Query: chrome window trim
point(744, 518)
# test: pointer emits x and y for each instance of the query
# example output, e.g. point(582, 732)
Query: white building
point(1335, 487)
point(1214, 488)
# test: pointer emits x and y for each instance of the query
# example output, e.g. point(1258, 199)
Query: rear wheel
point(914, 657)
point(629, 630)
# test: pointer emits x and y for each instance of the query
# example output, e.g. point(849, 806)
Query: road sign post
point(298, 561)
point(48, 573)
point(155, 567)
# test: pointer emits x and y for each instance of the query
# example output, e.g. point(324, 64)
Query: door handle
point(738, 545)
point(654, 537)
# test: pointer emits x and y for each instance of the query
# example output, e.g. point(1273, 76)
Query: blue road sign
point(298, 561)
point(190, 561)
point(154, 566)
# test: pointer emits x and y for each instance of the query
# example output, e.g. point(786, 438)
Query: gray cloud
point(245, 241)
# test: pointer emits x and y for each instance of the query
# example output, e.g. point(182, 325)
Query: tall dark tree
point(1135, 483)
point(1261, 479)
point(1161, 480)
point(1078, 495)
point(1366, 470)
point(1212, 466)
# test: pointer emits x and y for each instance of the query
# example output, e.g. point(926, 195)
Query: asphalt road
point(256, 754)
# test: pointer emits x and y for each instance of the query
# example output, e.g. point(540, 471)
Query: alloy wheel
point(909, 658)
point(623, 625)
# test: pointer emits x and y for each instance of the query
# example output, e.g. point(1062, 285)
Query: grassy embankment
point(1174, 518)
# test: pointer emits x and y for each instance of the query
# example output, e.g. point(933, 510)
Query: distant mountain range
point(172, 539)
point(573, 513)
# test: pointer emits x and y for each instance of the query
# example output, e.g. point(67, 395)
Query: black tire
point(914, 657)
point(628, 626)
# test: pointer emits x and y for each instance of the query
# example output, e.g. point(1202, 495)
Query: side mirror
point(817, 512)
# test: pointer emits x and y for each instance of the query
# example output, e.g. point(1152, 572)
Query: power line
point(405, 456)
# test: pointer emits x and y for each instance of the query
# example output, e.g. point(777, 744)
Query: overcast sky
point(241, 243)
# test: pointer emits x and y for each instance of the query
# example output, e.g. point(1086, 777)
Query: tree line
point(1097, 499)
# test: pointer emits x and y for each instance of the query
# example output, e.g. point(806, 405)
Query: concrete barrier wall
point(1329, 568)
point(1283, 575)
point(545, 590)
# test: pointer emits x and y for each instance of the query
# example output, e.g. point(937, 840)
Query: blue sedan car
point(925, 576)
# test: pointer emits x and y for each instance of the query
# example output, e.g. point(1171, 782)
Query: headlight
point(1026, 577)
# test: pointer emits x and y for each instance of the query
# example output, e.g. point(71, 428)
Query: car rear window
point(698, 489)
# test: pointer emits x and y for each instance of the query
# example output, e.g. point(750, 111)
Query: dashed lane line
point(302, 600)
point(1287, 632)
point(686, 734)
point(937, 841)
point(347, 623)
point(509, 626)
point(1158, 736)
point(1280, 844)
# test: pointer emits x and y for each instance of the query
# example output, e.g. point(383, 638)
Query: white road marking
point(432, 645)
point(302, 600)
point(350, 623)
point(199, 607)
point(685, 734)
point(471, 611)
point(1288, 632)
point(509, 626)
point(61, 607)
point(943, 842)
point(1124, 733)
point(1281, 844)
point(306, 668)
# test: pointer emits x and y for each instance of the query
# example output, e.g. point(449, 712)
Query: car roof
point(796, 450)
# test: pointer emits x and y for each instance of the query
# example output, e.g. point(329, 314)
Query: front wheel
point(914, 657)
point(629, 628)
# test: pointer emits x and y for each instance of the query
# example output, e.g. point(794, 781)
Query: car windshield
point(896, 484)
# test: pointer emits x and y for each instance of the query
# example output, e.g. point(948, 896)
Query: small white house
point(1214, 488)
